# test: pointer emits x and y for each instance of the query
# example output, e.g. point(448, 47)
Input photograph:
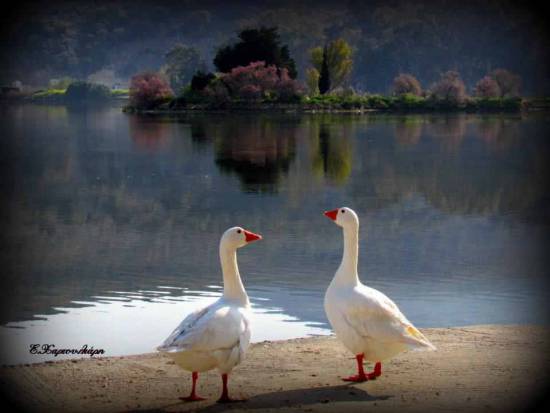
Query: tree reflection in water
point(258, 151)
point(408, 130)
point(333, 157)
point(149, 133)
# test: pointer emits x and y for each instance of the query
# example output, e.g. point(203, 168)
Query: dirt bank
point(478, 368)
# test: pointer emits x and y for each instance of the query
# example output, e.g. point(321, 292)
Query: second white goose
point(365, 320)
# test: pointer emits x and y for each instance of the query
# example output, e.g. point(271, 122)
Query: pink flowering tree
point(149, 89)
point(405, 83)
point(487, 87)
point(258, 81)
point(509, 83)
point(449, 88)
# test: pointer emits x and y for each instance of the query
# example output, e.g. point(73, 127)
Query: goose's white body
point(216, 336)
point(368, 322)
point(365, 320)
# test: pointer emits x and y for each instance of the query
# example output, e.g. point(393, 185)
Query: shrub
point(149, 89)
point(487, 87)
point(406, 84)
point(352, 102)
point(188, 95)
point(286, 88)
point(495, 103)
point(81, 91)
point(325, 100)
point(344, 92)
point(379, 102)
point(410, 101)
point(217, 91)
point(449, 89)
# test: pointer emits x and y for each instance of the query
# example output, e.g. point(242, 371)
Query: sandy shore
point(478, 368)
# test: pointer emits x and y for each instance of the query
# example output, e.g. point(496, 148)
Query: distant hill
point(42, 41)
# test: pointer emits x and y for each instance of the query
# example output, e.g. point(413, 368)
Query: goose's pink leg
point(360, 376)
point(193, 396)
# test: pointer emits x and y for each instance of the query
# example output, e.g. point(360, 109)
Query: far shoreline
point(373, 104)
point(388, 105)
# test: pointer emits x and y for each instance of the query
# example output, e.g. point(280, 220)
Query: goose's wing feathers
point(186, 328)
point(375, 315)
point(212, 328)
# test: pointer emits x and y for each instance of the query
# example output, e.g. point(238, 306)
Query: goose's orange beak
point(332, 214)
point(250, 236)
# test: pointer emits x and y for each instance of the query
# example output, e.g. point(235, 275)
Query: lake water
point(111, 221)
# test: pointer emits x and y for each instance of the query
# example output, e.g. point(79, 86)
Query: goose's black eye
point(343, 211)
point(239, 231)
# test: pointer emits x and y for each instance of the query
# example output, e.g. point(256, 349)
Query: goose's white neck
point(233, 288)
point(347, 271)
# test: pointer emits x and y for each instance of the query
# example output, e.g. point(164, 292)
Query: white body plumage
point(217, 336)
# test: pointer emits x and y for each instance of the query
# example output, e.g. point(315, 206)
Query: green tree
point(86, 92)
point(312, 81)
point(324, 78)
point(338, 58)
point(181, 64)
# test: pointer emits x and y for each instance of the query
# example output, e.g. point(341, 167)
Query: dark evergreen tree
point(200, 80)
point(324, 77)
point(256, 45)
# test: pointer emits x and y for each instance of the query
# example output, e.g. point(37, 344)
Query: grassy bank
point(354, 103)
point(62, 96)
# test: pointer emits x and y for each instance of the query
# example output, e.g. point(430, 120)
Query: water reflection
point(454, 211)
point(200, 135)
point(449, 131)
point(148, 134)
point(257, 150)
point(332, 154)
point(408, 130)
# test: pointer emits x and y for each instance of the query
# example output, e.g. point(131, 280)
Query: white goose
point(366, 321)
point(219, 335)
